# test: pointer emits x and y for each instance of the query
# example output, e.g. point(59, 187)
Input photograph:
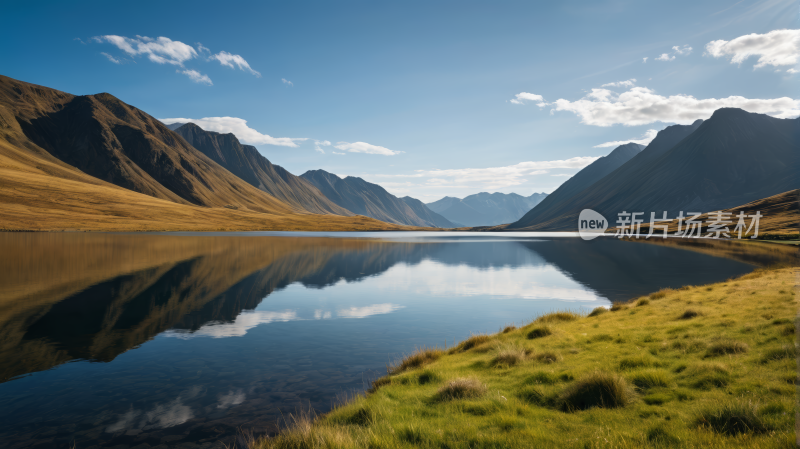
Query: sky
point(428, 99)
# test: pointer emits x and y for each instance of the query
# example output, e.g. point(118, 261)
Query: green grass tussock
point(419, 358)
point(725, 347)
point(735, 417)
point(598, 311)
point(472, 342)
point(652, 378)
point(461, 388)
point(547, 357)
point(509, 356)
point(661, 293)
point(689, 314)
point(694, 367)
point(558, 317)
point(598, 389)
point(539, 332)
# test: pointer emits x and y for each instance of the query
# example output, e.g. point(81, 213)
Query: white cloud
point(527, 96)
point(338, 154)
point(627, 83)
point(642, 106)
point(363, 147)
point(644, 60)
point(161, 50)
point(776, 48)
point(201, 48)
point(363, 312)
point(792, 71)
point(562, 174)
point(197, 77)
point(239, 128)
point(665, 57)
point(111, 58)
point(685, 50)
point(490, 178)
point(233, 61)
point(285, 81)
point(318, 144)
point(648, 137)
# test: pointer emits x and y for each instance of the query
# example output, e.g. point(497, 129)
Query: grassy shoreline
point(703, 366)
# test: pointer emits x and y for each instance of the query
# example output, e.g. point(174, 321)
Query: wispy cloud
point(285, 81)
point(648, 137)
point(776, 48)
point(665, 57)
point(111, 58)
point(644, 60)
point(682, 51)
point(233, 61)
point(489, 178)
point(197, 77)
point(522, 97)
point(239, 128)
point(627, 83)
point(363, 147)
point(318, 144)
point(161, 50)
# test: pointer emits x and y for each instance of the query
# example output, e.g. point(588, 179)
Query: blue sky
point(427, 99)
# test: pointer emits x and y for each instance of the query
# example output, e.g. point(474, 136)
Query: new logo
point(591, 224)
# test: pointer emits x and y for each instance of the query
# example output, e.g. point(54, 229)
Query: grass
point(539, 332)
point(461, 388)
point(637, 377)
point(598, 389)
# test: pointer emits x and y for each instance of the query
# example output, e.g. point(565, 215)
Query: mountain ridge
point(246, 162)
point(732, 158)
point(486, 209)
point(365, 198)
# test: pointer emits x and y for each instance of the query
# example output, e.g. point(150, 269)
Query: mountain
point(732, 158)
point(486, 209)
point(590, 174)
point(95, 163)
point(426, 214)
point(115, 142)
point(248, 164)
point(364, 198)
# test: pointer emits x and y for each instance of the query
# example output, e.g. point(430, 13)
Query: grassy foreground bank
point(703, 366)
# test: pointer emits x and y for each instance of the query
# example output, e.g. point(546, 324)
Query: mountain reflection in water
point(194, 310)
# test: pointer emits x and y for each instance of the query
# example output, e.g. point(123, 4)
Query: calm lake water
point(146, 340)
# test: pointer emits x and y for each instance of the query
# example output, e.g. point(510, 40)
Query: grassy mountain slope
point(703, 366)
point(364, 198)
point(780, 215)
point(112, 141)
point(248, 164)
point(732, 158)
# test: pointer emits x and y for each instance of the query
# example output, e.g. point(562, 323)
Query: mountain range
point(732, 158)
point(95, 162)
point(364, 198)
point(248, 164)
point(486, 209)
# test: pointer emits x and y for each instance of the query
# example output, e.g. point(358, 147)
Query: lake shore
point(712, 365)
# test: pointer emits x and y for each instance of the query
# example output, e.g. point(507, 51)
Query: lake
point(142, 340)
